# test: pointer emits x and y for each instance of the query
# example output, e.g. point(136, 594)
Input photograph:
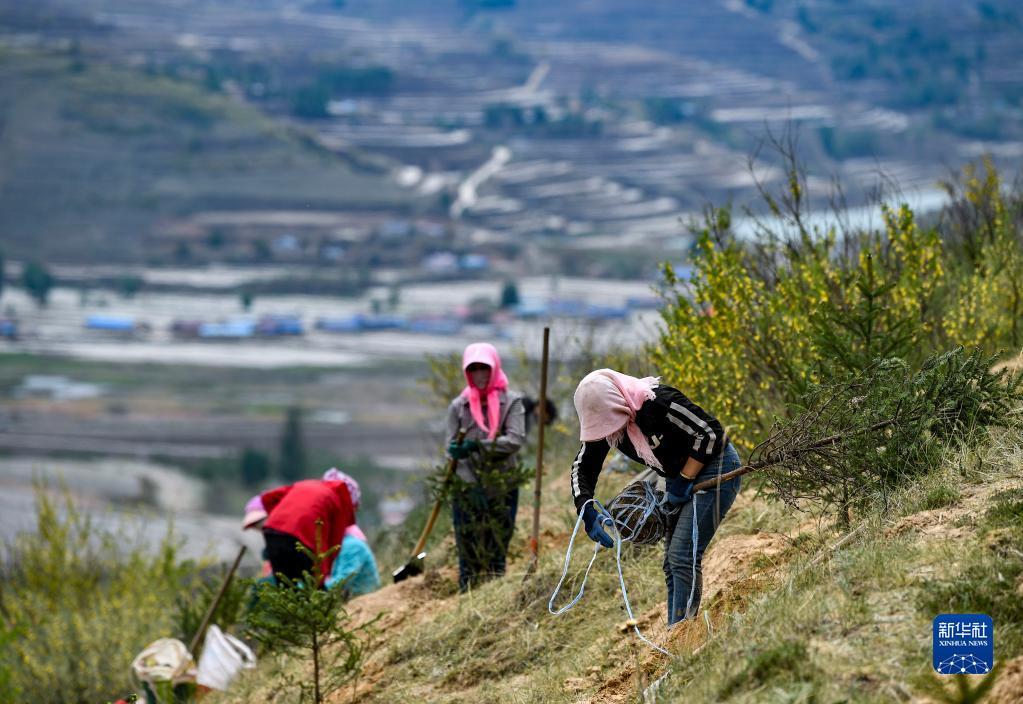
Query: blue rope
point(568, 558)
point(696, 539)
point(650, 506)
point(639, 510)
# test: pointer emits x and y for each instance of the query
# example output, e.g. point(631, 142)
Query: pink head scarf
point(254, 512)
point(353, 531)
point(484, 353)
point(336, 475)
point(607, 401)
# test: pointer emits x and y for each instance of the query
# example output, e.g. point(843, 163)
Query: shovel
point(414, 566)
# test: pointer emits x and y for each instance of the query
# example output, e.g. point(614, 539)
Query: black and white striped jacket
point(676, 429)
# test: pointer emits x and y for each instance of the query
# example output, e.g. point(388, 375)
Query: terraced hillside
point(95, 160)
point(616, 123)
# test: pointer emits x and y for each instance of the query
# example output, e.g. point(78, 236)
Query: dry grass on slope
point(787, 616)
point(857, 626)
point(500, 644)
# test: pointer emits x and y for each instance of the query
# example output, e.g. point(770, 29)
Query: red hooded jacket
point(294, 509)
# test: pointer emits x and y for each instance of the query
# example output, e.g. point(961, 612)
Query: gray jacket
point(502, 449)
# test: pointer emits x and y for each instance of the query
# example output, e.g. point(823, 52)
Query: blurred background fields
point(215, 211)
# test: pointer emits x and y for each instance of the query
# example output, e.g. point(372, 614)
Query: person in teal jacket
point(355, 567)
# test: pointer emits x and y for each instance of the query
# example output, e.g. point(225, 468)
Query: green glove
point(461, 450)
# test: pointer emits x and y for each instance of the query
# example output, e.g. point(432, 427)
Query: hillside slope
point(788, 615)
point(94, 160)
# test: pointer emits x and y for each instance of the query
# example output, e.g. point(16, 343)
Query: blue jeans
point(483, 530)
point(684, 579)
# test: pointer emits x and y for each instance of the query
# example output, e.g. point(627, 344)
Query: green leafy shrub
point(254, 467)
point(756, 326)
point(983, 226)
point(37, 281)
point(83, 602)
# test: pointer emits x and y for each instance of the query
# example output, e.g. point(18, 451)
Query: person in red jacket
point(293, 512)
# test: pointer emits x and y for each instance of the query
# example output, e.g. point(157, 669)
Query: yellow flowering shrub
point(697, 352)
point(756, 325)
point(81, 602)
point(986, 300)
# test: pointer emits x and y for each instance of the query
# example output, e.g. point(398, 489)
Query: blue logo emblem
point(963, 644)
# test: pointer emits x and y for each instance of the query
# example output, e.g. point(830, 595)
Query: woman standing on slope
point(486, 486)
point(657, 426)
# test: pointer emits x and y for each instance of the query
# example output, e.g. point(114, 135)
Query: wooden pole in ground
point(541, 422)
point(215, 603)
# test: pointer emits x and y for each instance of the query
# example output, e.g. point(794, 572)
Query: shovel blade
point(412, 568)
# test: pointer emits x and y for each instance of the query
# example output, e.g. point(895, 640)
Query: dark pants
point(284, 557)
point(683, 575)
point(483, 530)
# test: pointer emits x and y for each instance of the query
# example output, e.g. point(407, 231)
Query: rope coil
point(638, 514)
point(637, 517)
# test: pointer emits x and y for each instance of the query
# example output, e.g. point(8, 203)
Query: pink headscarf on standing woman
point(484, 353)
point(607, 402)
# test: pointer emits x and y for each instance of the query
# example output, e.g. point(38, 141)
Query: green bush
point(851, 442)
point(293, 457)
point(984, 228)
point(254, 467)
point(758, 324)
point(755, 327)
point(38, 281)
point(83, 602)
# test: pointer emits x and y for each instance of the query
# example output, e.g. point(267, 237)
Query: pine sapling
point(295, 617)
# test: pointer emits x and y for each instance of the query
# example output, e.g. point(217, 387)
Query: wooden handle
point(215, 603)
point(721, 478)
point(437, 504)
point(541, 422)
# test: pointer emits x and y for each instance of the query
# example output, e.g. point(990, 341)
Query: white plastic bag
point(164, 660)
point(223, 657)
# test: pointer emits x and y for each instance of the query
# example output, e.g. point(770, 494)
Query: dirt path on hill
point(733, 567)
point(951, 522)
